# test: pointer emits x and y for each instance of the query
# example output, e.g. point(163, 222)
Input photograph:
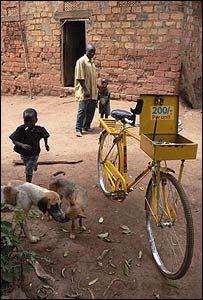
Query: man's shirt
point(85, 69)
point(30, 137)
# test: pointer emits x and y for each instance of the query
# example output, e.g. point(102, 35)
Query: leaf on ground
point(107, 240)
point(62, 272)
point(104, 253)
point(128, 232)
point(112, 265)
point(101, 220)
point(74, 270)
point(103, 235)
point(140, 254)
point(127, 266)
point(93, 281)
point(112, 273)
point(49, 250)
point(141, 188)
point(65, 253)
point(64, 230)
point(173, 284)
point(126, 229)
point(100, 263)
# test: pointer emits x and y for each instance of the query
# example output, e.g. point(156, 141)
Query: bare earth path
point(144, 281)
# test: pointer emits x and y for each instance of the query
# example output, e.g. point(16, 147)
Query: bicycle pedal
point(119, 196)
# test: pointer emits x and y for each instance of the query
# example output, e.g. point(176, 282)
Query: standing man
point(85, 90)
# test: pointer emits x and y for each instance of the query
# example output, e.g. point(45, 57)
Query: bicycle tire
point(106, 141)
point(156, 250)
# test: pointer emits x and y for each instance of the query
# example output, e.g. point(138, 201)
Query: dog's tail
point(57, 173)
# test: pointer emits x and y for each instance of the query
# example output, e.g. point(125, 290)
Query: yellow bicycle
point(169, 221)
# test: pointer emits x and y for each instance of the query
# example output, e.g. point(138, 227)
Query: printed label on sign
point(162, 112)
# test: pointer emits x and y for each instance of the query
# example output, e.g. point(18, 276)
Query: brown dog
point(74, 199)
point(26, 195)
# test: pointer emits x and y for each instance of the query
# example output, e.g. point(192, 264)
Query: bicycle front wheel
point(171, 237)
point(106, 179)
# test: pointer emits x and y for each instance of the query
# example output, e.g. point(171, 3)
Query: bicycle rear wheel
point(172, 239)
point(106, 179)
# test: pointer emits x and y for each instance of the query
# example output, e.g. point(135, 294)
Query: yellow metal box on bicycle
point(159, 129)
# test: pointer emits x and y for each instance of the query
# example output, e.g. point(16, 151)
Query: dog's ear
point(43, 204)
point(10, 194)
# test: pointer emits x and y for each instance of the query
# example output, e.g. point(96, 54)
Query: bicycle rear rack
point(111, 126)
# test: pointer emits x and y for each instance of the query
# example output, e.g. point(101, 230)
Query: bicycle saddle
point(120, 114)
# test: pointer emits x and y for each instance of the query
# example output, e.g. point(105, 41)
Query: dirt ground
point(81, 265)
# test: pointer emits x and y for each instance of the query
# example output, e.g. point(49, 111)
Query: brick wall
point(140, 45)
point(41, 33)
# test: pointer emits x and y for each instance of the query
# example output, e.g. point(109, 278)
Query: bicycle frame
point(121, 175)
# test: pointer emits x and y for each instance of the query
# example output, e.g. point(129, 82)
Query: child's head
point(30, 117)
point(104, 82)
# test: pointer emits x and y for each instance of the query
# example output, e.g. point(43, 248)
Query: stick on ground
point(48, 162)
point(111, 283)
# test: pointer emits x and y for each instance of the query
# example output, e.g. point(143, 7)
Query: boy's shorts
point(30, 163)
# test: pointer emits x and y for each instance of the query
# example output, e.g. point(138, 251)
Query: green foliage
point(13, 254)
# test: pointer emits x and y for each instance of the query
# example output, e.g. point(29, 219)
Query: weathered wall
point(42, 37)
point(191, 71)
point(140, 45)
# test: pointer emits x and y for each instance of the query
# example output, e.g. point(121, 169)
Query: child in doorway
point(26, 139)
point(104, 98)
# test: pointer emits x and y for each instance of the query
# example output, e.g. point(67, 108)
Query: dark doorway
point(73, 48)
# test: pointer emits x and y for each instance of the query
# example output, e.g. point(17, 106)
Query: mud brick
point(123, 64)
point(125, 24)
point(171, 74)
point(158, 23)
point(116, 10)
point(153, 16)
point(132, 79)
point(100, 32)
point(125, 38)
point(129, 45)
point(101, 18)
point(177, 16)
point(122, 77)
point(175, 68)
point(147, 9)
point(113, 63)
point(136, 9)
point(106, 25)
point(162, 31)
point(96, 38)
point(170, 23)
point(175, 32)
point(130, 17)
point(142, 16)
point(164, 16)
point(130, 90)
point(142, 31)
